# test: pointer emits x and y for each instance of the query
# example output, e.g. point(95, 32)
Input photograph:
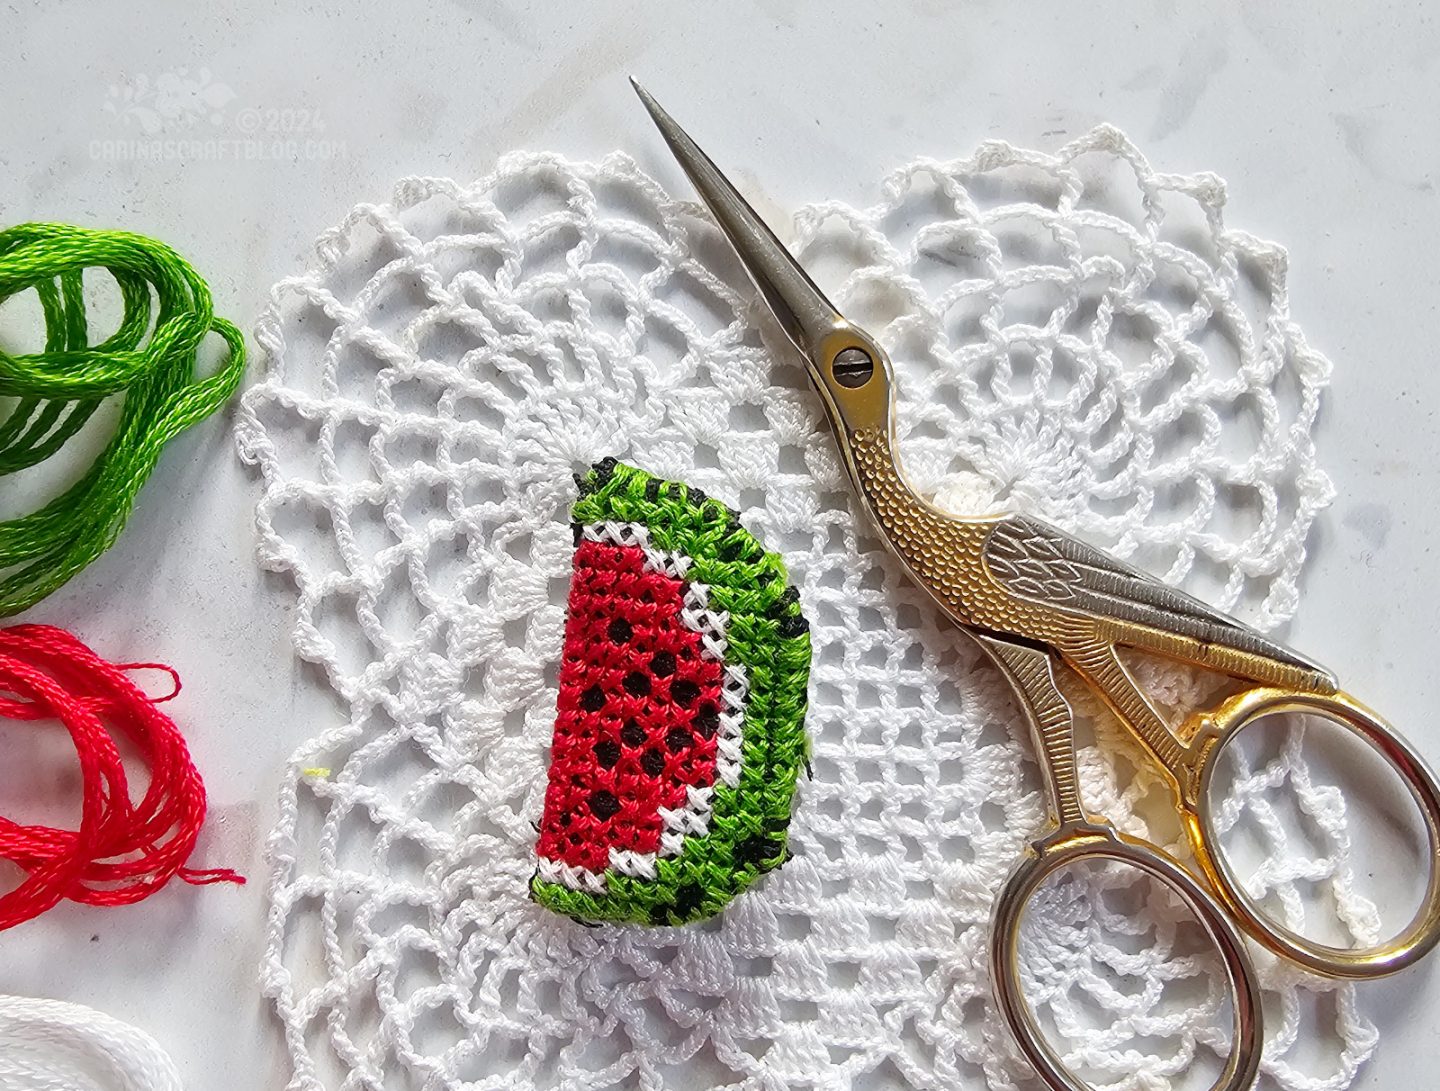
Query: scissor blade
point(799, 306)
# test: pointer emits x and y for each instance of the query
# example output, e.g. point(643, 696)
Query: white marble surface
point(1322, 117)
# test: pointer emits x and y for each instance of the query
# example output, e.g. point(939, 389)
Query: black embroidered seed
point(663, 665)
point(684, 691)
point(577, 531)
point(607, 753)
point(619, 631)
point(708, 721)
point(601, 473)
point(603, 804)
point(677, 739)
point(793, 625)
point(756, 850)
point(688, 899)
point(632, 734)
point(652, 489)
point(637, 684)
point(593, 699)
point(653, 762)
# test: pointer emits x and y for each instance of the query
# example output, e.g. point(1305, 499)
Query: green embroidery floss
point(56, 391)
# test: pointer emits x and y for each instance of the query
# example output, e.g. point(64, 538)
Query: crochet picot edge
point(766, 633)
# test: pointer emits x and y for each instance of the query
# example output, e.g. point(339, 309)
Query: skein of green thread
point(57, 390)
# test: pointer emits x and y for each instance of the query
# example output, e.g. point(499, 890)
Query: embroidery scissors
point(1035, 598)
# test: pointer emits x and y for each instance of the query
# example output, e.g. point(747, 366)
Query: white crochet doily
point(1075, 334)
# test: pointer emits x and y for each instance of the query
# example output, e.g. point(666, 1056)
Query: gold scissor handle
point(1212, 730)
point(1067, 845)
point(1072, 837)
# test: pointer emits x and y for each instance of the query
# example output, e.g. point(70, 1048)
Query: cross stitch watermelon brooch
point(679, 731)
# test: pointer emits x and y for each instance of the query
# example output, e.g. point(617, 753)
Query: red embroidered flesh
point(638, 711)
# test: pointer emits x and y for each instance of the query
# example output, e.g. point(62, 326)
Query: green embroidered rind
point(766, 633)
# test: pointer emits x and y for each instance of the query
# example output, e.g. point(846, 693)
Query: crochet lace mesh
point(1074, 334)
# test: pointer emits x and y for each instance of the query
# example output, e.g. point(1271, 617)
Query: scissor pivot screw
point(852, 367)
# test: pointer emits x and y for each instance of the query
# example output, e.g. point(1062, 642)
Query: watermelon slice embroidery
point(679, 729)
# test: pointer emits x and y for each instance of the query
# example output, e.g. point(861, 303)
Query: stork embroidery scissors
point(1034, 597)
